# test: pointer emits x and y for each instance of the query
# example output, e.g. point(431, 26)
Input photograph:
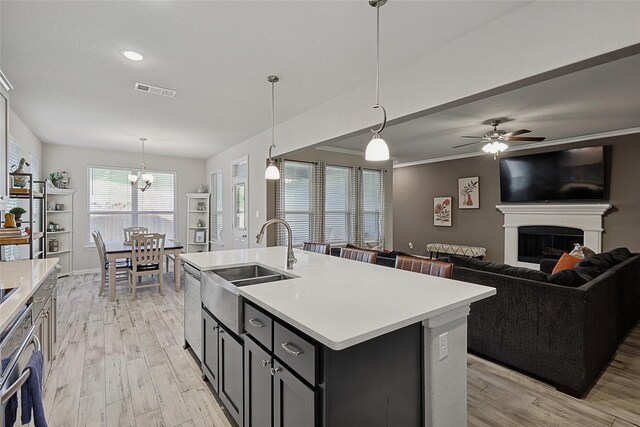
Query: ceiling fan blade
point(517, 132)
point(475, 137)
point(464, 145)
point(528, 138)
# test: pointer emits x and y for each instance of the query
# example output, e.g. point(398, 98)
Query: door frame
point(235, 180)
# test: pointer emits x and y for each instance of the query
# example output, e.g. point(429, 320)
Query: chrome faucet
point(291, 259)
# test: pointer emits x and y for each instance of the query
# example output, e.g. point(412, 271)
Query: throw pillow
point(565, 262)
point(581, 251)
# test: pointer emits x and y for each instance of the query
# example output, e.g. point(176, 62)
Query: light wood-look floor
point(122, 363)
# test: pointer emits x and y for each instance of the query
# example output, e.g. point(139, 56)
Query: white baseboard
point(88, 271)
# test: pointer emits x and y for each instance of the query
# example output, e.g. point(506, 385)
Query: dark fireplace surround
point(538, 242)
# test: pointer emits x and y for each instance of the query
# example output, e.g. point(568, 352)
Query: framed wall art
point(442, 211)
point(469, 192)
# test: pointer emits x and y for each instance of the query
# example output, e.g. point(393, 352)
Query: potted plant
point(55, 178)
point(17, 213)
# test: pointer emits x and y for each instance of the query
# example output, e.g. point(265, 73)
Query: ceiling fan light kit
point(143, 175)
point(496, 139)
point(272, 172)
point(377, 149)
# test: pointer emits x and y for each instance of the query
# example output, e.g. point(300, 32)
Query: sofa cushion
point(620, 254)
point(602, 262)
point(498, 268)
point(568, 278)
point(565, 262)
point(574, 277)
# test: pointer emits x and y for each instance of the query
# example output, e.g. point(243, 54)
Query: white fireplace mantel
point(587, 217)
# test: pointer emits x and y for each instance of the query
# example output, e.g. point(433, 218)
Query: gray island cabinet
point(332, 342)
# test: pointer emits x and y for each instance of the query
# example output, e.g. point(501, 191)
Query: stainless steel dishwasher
point(192, 310)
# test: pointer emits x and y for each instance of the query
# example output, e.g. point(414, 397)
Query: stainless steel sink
point(249, 275)
point(219, 290)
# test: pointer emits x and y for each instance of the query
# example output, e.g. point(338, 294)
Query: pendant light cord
point(378, 53)
point(273, 115)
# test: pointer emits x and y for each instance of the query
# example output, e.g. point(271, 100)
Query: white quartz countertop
point(341, 302)
point(26, 276)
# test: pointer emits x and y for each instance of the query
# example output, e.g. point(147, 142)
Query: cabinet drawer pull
point(255, 322)
point(39, 300)
point(265, 363)
point(285, 345)
point(274, 370)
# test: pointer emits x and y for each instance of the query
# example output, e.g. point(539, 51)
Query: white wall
point(537, 38)
point(30, 145)
point(189, 174)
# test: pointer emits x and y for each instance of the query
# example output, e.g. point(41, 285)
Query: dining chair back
point(133, 231)
point(147, 256)
point(431, 267)
point(320, 248)
point(104, 261)
point(359, 255)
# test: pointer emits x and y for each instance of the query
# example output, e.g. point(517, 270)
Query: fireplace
point(585, 217)
point(538, 242)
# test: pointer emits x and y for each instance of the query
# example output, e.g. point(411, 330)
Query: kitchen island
point(346, 343)
point(22, 279)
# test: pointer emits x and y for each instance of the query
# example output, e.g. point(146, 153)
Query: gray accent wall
point(414, 188)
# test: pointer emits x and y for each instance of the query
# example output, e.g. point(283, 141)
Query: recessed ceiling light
point(133, 55)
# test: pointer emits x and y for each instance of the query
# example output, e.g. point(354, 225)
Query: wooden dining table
point(118, 250)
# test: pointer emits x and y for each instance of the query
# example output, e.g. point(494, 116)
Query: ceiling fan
point(496, 139)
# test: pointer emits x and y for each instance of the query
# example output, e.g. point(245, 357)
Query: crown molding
point(551, 143)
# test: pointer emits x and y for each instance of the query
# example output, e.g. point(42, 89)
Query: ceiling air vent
point(155, 90)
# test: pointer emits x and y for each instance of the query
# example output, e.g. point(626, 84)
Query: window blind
point(373, 205)
point(297, 200)
point(216, 204)
point(336, 204)
point(115, 205)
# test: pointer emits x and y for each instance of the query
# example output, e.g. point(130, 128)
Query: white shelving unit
point(198, 205)
point(64, 219)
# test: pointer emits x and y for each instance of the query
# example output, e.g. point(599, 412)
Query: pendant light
point(272, 172)
point(377, 149)
point(146, 178)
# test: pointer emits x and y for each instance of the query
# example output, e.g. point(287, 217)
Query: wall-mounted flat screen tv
point(576, 174)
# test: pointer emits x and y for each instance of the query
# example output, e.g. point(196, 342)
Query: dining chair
point(121, 264)
point(431, 267)
point(359, 255)
point(320, 248)
point(147, 257)
point(132, 231)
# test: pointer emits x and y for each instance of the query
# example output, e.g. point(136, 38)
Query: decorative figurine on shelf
point(60, 179)
point(200, 223)
point(64, 181)
point(20, 181)
point(202, 206)
point(9, 221)
point(17, 213)
point(53, 226)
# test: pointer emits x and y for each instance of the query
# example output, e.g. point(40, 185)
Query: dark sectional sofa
point(563, 328)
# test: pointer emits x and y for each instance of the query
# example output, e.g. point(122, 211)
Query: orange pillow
point(566, 262)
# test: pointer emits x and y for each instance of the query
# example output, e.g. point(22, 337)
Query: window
point(372, 201)
point(115, 205)
point(297, 199)
point(336, 204)
point(216, 205)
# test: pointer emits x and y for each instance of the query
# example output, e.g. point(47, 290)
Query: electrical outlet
point(443, 346)
point(257, 214)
